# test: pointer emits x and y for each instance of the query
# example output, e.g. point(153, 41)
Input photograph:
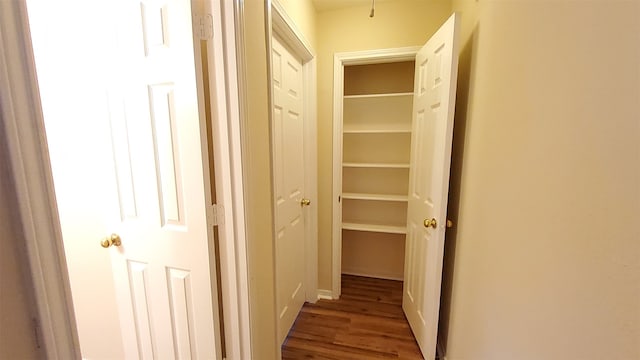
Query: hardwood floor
point(367, 322)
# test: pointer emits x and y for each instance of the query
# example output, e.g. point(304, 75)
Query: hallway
point(367, 322)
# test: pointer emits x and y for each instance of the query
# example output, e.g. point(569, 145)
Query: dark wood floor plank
point(367, 322)
point(335, 351)
point(358, 307)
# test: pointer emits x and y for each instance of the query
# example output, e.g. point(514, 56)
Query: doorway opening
point(373, 102)
point(371, 125)
point(376, 137)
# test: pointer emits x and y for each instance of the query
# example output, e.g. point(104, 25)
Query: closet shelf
point(379, 197)
point(376, 128)
point(375, 165)
point(389, 229)
point(364, 96)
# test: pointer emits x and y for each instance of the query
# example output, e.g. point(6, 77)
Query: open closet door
point(433, 108)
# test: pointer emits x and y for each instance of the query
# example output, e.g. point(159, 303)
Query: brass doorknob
point(305, 202)
point(113, 239)
point(449, 223)
point(430, 223)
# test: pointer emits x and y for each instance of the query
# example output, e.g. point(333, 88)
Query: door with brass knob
point(431, 137)
point(140, 154)
point(289, 166)
point(112, 240)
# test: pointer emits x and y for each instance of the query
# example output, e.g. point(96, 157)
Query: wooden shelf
point(389, 229)
point(376, 128)
point(378, 197)
point(376, 165)
point(365, 96)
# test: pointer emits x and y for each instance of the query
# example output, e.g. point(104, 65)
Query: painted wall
point(17, 301)
point(545, 260)
point(257, 168)
point(396, 24)
point(303, 14)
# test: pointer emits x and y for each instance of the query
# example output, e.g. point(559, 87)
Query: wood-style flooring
point(367, 322)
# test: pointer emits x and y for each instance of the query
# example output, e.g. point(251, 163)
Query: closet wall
point(377, 105)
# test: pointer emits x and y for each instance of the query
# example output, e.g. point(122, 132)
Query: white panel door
point(434, 103)
point(162, 270)
point(288, 173)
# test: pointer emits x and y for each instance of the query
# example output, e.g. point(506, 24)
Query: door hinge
point(214, 215)
point(203, 26)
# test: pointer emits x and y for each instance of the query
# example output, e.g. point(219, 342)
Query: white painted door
point(119, 97)
point(433, 109)
point(163, 270)
point(288, 173)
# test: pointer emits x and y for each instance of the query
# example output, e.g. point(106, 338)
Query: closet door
point(288, 165)
point(434, 103)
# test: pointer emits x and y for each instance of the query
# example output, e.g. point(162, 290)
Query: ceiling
point(324, 5)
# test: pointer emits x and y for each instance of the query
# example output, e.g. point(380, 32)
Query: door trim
point(341, 60)
point(223, 81)
point(31, 173)
point(284, 27)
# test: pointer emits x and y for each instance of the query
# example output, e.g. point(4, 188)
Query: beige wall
point(17, 302)
point(258, 188)
point(396, 24)
point(303, 14)
point(545, 262)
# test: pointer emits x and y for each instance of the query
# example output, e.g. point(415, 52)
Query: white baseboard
point(377, 276)
point(325, 294)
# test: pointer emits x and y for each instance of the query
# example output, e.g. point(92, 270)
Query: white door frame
point(25, 135)
point(341, 60)
point(285, 29)
point(224, 84)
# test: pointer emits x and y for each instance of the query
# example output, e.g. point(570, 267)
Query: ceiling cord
point(373, 8)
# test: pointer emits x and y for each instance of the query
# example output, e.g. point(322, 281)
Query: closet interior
point(376, 143)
